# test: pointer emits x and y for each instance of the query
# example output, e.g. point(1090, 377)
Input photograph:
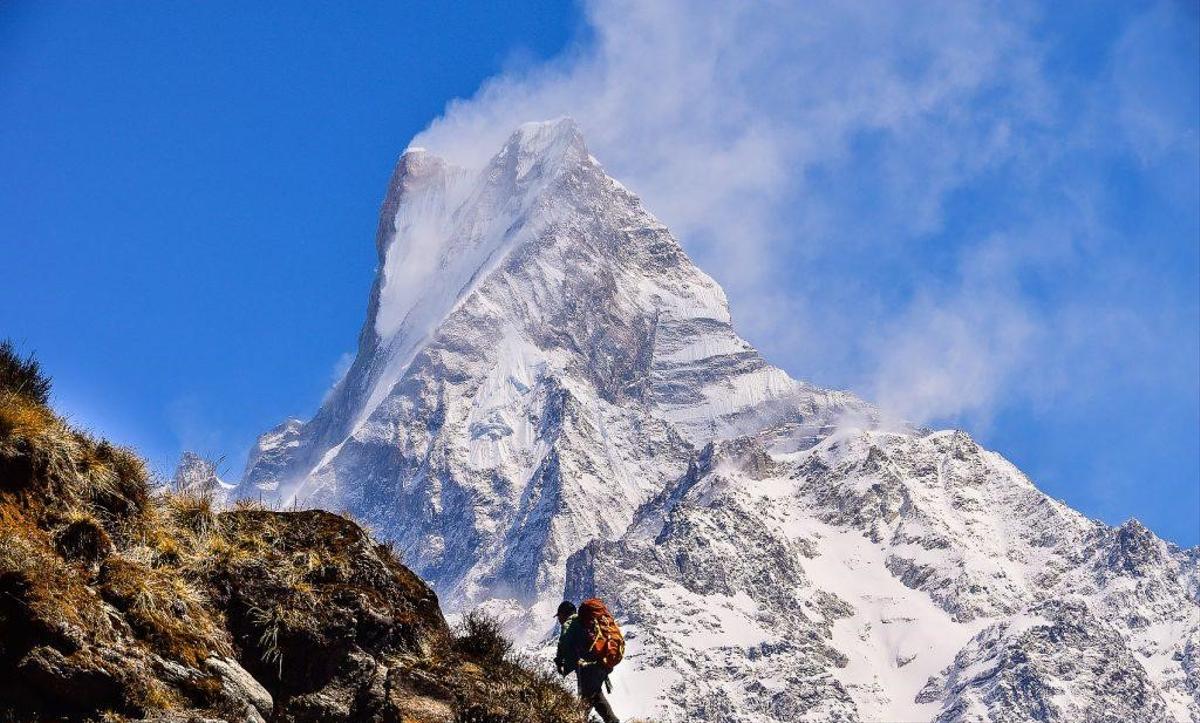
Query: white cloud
point(806, 154)
point(955, 357)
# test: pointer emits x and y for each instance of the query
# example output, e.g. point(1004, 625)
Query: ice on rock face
point(899, 574)
point(549, 399)
point(273, 455)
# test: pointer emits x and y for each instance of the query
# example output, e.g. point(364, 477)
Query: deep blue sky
point(188, 199)
point(189, 193)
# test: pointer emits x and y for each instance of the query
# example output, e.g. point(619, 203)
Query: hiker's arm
point(560, 661)
point(563, 655)
point(577, 647)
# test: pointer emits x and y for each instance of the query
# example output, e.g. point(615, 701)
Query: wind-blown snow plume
point(816, 155)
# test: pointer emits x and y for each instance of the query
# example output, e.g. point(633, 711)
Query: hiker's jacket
point(572, 644)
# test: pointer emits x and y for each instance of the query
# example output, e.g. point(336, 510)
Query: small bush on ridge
point(480, 636)
point(22, 376)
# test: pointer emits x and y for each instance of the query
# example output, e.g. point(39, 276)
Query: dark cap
point(565, 609)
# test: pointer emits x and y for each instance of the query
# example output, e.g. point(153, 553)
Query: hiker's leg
point(600, 703)
point(585, 685)
point(591, 691)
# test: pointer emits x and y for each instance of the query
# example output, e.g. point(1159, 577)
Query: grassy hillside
point(121, 601)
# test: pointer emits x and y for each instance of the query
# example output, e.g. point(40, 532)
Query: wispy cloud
point(341, 366)
point(905, 198)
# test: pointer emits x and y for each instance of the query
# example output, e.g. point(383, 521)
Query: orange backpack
point(607, 643)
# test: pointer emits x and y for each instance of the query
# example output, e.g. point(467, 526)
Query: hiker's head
point(565, 610)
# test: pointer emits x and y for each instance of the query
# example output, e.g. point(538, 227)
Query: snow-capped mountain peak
point(549, 399)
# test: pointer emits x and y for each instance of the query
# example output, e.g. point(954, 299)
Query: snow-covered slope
point(549, 398)
point(893, 577)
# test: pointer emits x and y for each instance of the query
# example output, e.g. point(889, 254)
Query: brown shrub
point(481, 638)
point(193, 511)
point(22, 376)
point(83, 539)
point(37, 450)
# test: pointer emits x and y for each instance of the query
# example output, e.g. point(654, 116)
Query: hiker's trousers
point(591, 690)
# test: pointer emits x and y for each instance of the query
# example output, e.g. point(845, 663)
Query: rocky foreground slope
point(549, 399)
point(117, 602)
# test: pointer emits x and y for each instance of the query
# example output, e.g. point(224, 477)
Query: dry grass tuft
point(269, 623)
point(22, 376)
point(194, 511)
point(36, 448)
point(249, 505)
point(481, 637)
point(82, 538)
point(163, 607)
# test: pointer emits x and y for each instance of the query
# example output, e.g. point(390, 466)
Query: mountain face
point(549, 400)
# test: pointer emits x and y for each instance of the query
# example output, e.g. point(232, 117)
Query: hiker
point(590, 644)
